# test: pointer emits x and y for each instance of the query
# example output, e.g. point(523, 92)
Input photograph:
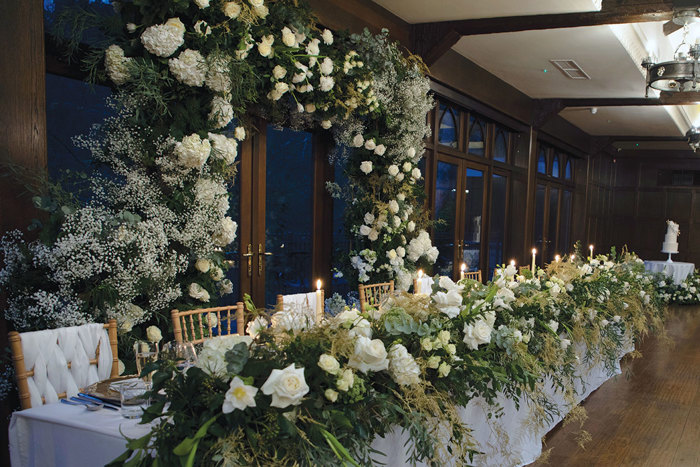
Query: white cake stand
point(669, 260)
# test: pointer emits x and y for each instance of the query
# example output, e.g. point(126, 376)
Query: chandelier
point(682, 74)
point(693, 136)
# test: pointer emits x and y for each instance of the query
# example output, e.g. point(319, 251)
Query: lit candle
point(534, 255)
point(557, 258)
point(462, 270)
point(590, 247)
point(573, 257)
point(418, 282)
point(319, 302)
point(512, 262)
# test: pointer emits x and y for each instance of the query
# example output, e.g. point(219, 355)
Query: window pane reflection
point(500, 151)
point(555, 166)
point(567, 170)
point(288, 213)
point(476, 137)
point(497, 222)
point(565, 223)
point(445, 210)
point(472, 218)
point(541, 162)
point(552, 227)
point(341, 242)
point(449, 122)
point(539, 218)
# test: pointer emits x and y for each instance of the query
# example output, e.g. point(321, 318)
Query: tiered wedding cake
point(671, 239)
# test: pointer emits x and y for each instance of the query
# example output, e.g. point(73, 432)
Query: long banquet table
point(64, 435)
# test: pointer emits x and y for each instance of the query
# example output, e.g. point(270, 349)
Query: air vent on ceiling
point(570, 68)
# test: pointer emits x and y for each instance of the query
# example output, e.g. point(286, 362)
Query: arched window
point(476, 137)
point(500, 150)
point(449, 122)
point(555, 166)
point(567, 170)
point(542, 162)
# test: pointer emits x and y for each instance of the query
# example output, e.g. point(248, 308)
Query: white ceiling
point(610, 55)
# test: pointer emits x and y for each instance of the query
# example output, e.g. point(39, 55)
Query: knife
point(96, 400)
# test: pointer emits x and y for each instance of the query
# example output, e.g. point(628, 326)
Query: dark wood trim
point(259, 192)
point(245, 209)
point(531, 186)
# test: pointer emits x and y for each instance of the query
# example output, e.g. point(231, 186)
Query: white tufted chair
point(424, 285)
point(57, 363)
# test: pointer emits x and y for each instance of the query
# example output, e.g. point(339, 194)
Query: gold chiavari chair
point(373, 294)
point(195, 326)
point(524, 268)
point(22, 374)
point(474, 275)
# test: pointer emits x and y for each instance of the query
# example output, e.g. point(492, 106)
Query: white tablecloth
point(677, 271)
point(58, 435)
point(62, 435)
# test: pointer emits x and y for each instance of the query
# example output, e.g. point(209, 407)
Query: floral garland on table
point(685, 293)
point(285, 396)
point(153, 233)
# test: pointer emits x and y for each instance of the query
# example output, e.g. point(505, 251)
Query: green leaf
point(338, 448)
point(236, 358)
point(188, 445)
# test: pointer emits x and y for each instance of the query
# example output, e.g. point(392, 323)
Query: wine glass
point(145, 352)
point(182, 353)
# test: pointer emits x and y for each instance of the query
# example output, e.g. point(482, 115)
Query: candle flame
point(557, 258)
point(420, 274)
point(318, 284)
point(573, 257)
point(512, 262)
point(463, 267)
point(534, 251)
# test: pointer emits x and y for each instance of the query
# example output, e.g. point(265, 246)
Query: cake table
point(675, 270)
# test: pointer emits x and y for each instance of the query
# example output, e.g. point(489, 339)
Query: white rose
point(217, 274)
point(239, 396)
point(202, 265)
point(358, 140)
point(289, 38)
point(364, 230)
point(394, 206)
point(131, 27)
point(399, 177)
point(411, 226)
point(411, 153)
point(565, 343)
point(369, 218)
point(232, 9)
point(202, 28)
point(346, 380)
point(326, 124)
point(202, 3)
point(279, 72)
point(239, 133)
point(225, 148)
point(329, 364)
point(153, 334)
point(369, 355)
point(310, 108)
point(393, 170)
point(331, 395)
point(287, 387)
point(477, 333)
point(366, 166)
point(407, 166)
point(327, 37)
point(373, 235)
point(402, 366)
point(196, 291)
point(212, 320)
point(257, 3)
point(449, 303)
point(553, 325)
point(370, 144)
point(415, 173)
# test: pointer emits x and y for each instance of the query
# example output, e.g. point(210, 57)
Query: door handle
point(249, 255)
point(261, 254)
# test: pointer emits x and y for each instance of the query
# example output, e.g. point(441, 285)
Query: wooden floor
point(651, 417)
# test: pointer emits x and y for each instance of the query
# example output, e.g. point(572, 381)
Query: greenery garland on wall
point(151, 236)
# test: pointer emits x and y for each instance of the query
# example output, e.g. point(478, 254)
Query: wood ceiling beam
point(666, 98)
point(432, 40)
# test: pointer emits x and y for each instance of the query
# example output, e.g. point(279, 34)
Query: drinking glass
point(145, 352)
point(182, 353)
point(134, 399)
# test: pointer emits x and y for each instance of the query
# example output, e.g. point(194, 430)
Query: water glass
point(182, 353)
point(145, 352)
point(134, 399)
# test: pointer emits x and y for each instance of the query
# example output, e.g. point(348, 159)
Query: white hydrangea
point(326, 83)
point(225, 148)
point(189, 68)
point(164, 39)
point(226, 233)
point(202, 3)
point(221, 111)
point(327, 37)
point(117, 64)
point(192, 152)
point(218, 73)
point(402, 366)
point(231, 9)
point(421, 246)
point(326, 66)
